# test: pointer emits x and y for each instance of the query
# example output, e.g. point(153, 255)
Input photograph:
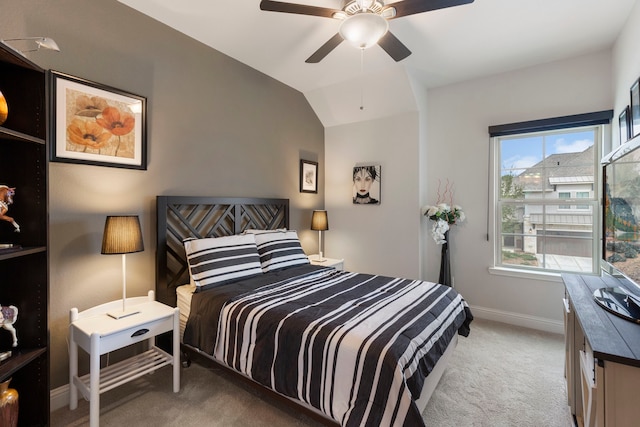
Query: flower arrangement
point(443, 214)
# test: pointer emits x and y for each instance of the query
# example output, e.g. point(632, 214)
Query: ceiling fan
point(364, 22)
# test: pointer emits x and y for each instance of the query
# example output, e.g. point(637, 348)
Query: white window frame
point(494, 226)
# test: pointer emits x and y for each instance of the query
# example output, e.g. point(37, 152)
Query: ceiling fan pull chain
point(362, 79)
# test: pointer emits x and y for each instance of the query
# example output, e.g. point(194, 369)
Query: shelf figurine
point(6, 198)
point(8, 316)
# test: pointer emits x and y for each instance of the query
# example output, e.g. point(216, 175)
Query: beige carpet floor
point(500, 376)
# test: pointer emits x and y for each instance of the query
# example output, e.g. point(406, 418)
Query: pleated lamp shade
point(122, 235)
point(319, 221)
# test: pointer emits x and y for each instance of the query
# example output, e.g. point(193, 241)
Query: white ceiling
point(449, 45)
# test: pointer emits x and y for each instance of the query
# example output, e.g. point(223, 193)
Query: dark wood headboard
point(180, 217)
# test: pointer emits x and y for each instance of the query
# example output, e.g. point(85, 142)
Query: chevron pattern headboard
point(180, 217)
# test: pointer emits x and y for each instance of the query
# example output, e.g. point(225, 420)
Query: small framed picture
point(623, 121)
point(366, 184)
point(635, 108)
point(308, 176)
point(95, 124)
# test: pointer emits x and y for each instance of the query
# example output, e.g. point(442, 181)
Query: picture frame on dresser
point(95, 124)
point(624, 125)
point(635, 108)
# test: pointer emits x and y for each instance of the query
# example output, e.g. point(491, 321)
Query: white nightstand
point(338, 264)
point(97, 333)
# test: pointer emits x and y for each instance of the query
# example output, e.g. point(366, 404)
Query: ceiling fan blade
point(325, 49)
point(411, 7)
point(394, 47)
point(300, 9)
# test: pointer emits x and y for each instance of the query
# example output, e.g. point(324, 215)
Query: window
point(582, 195)
point(540, 177)
point(564, 195)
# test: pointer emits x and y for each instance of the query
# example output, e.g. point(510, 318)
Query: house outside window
point(547, 199)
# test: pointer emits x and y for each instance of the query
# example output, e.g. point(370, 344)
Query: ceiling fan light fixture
point(363, 30)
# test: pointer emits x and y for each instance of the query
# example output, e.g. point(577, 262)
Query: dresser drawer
point(134, 335)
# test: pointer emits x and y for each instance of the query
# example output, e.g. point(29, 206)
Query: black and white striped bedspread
point(355, 346)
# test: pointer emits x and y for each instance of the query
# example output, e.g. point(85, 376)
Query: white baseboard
point(59, 397)
point(518, 319)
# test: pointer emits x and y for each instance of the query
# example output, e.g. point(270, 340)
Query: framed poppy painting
point(96, 124)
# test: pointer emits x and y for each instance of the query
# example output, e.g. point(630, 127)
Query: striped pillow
point(220, 260)
point(279, 249)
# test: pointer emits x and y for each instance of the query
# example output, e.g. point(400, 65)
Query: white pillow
point(279, 249)
point(216, 261)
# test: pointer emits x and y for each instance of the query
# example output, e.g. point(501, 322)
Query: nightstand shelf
point(127, 370)
point(338, 264)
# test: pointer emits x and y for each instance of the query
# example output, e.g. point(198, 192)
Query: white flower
point(431, 210)
point(438, 229)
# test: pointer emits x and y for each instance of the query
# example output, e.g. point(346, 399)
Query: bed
point(357, 349)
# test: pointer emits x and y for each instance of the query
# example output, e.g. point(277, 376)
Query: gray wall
point(215, 128)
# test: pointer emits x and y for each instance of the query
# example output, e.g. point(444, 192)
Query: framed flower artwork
point(96, 124)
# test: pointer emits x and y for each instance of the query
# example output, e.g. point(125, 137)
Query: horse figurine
point(8, 316)
point(6, 198)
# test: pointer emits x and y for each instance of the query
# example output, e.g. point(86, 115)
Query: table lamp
point(122, 235)
point(320, 222)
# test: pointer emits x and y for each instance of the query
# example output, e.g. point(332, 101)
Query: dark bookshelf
point(25, 277)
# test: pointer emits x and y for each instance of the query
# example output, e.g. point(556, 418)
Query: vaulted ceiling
point(448, 45)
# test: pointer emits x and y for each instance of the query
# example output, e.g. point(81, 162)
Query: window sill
point(535, 275)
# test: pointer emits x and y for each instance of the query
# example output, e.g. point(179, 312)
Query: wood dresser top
point(611, 337)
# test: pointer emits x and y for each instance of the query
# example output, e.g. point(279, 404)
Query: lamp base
point(123, 313)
